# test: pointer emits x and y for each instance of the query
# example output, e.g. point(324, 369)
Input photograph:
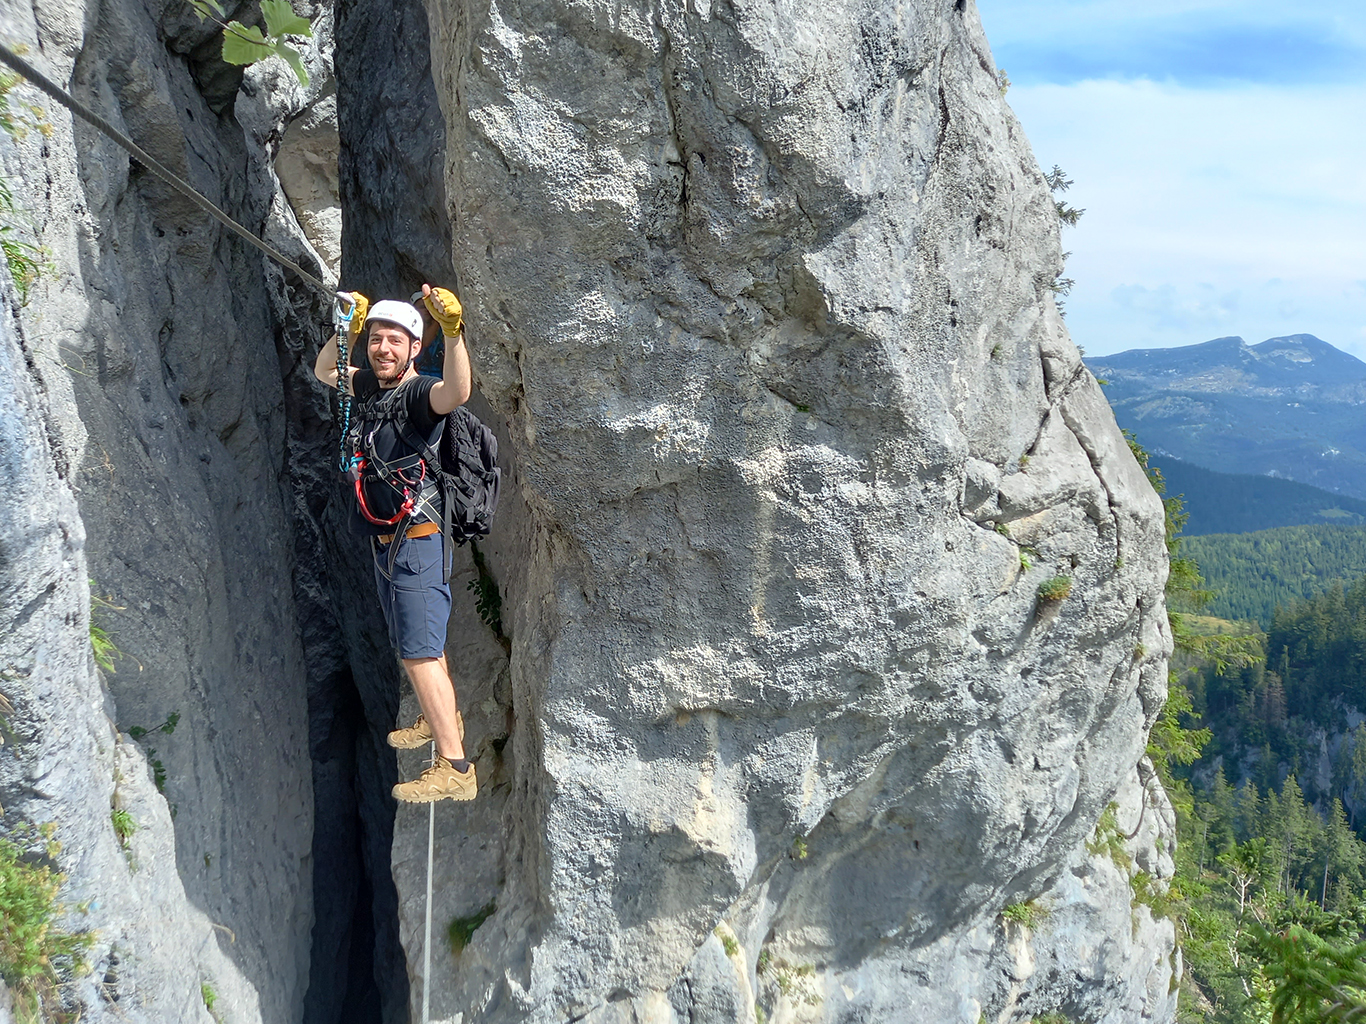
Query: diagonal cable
point(41, 81)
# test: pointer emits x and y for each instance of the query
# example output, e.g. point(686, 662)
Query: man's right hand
point(358, 315)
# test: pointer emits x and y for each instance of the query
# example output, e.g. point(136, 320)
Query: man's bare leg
point(436, 694)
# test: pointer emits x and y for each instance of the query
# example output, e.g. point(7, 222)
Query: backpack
point(468, 476)
point(464, 463)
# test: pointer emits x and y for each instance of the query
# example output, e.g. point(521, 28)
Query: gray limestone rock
point(306, 164)
point(65, 763)
point(775, 718)
point(760, 296)
point(145, 364)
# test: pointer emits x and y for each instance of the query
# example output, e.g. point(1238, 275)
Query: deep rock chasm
point(776, 723)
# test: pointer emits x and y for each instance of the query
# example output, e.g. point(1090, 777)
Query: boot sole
point(433, 799)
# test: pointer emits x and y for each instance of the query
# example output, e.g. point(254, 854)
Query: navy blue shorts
point(417, 605)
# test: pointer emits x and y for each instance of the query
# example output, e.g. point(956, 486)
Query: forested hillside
point(1243, 502)
point(1272, 867)
point(1251, 574)
point(1267, 777)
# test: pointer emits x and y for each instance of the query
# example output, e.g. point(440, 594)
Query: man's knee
point(421, 663)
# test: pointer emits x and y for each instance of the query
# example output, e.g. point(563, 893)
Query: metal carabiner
point(343, 309)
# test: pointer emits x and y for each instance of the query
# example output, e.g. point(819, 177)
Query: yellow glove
point(445, 309)
point(358, 315)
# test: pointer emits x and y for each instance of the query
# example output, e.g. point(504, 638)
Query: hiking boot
point(439, 782)
point(420, 732)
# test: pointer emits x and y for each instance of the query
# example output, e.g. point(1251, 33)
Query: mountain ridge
point(1289, 407)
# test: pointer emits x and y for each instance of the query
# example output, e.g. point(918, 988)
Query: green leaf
point(292, 58)
point(207, 8)
point(282, 21)
point(242, 45)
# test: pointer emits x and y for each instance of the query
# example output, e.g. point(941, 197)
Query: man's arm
point(453, 389)
point(325, 367)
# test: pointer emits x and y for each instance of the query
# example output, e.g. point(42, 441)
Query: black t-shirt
point(374, 426)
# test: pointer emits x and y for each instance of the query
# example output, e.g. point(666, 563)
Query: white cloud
point(1208, 211)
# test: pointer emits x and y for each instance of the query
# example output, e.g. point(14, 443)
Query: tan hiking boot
point(420, 732)
point(439, 782)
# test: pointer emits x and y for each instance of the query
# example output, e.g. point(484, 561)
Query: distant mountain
point(1241, 503)
point(1292, 407)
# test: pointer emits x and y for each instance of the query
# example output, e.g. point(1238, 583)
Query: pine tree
point(1297, 829)
point(1341, 853)
point(1310, 976)
point(1248, 811)
point(1219, 813)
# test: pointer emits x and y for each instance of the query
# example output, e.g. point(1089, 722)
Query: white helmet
point(394, 312)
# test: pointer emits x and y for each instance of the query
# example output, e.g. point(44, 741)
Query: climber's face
point(392, 350)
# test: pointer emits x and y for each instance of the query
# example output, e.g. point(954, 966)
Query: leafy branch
point(1058, 181)
point(247, 44)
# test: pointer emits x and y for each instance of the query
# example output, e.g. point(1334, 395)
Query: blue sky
point(1219, 150)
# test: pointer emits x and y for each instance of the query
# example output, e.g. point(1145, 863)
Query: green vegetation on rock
point(462, 929)
point(36, 954)
point(1055, 589)
point(27, 261)
point(1030, 914)
point(124, 825)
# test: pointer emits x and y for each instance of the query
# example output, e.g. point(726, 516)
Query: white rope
point(427, 928)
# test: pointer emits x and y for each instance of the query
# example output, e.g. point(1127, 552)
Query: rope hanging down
point(427, 924)
point(41, 81)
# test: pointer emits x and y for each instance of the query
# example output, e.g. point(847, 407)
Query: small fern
point(124, 825)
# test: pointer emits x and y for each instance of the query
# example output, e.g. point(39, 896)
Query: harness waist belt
point(420, 530)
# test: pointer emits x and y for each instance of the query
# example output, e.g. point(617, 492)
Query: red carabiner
point(404, 510)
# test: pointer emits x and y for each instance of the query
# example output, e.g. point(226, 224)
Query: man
point(396, 409)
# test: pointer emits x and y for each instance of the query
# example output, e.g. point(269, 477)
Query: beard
point(394, 373)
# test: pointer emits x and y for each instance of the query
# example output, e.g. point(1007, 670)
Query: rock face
point(145, 421)
point(306, 164)
point(775, 721)
point(762, 296)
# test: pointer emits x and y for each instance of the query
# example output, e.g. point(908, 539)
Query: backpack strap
point(393, 411)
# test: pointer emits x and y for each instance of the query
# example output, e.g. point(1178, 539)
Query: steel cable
point(42, 82)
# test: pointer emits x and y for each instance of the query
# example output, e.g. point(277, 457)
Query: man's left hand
point(445, 309)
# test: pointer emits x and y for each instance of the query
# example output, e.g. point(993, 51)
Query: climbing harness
point(396, 475)
point(454, 482)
